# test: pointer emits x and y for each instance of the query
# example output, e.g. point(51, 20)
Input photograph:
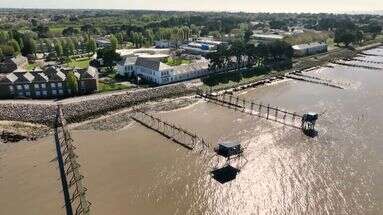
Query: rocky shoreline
point(17, 131)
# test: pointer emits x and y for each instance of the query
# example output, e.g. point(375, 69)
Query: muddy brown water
point(137, 171)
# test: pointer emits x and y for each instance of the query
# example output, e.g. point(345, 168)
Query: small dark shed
point(228, 149)
point(310, 117)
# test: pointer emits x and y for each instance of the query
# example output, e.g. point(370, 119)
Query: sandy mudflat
point(29, 179)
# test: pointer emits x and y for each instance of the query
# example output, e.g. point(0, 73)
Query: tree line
point(276, 55)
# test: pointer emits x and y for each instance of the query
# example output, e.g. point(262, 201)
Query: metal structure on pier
point(267, 112)
point(185, 138)
point(72, 181)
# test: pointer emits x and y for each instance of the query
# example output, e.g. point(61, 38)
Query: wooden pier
point(183, 137)
point(368, 61)
point(257, 109)
point(312, 79)
point(72, 181)
point(356, 65)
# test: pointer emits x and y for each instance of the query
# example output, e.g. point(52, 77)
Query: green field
point(176, 62)
point(107, 87)
point(81, 63)
point(31, 66)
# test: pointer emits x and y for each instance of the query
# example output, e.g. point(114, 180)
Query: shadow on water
point(225, 174)
point(310, 133)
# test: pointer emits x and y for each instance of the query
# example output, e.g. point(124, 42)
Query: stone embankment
point(80, 108)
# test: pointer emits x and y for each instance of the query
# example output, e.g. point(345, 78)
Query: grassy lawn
point(107, 87)
point(230, 81)
point(82, 63)
point(176, 62)
point(31, 66)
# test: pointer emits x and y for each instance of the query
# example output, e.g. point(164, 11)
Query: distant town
point(64, 53)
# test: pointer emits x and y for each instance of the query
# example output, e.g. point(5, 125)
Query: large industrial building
point(309, 49)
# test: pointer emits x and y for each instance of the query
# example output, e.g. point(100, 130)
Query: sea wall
point(80, 108)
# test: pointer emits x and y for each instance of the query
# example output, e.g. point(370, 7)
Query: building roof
point(128, 60)
point(268, 36)
point(309, 45)
point(19, 60)
point(55, 74)
point(90, 73)
point(51, 74)
point(40, 77)
point(152, 64)
point(9, 65)
point(29, 76)
point(12, 77)
point(200, 65)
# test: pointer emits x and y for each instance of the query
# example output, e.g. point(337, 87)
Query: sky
point(206, 5)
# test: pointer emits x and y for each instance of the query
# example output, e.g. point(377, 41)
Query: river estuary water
point(137, 171)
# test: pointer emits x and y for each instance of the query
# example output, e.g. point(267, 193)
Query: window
point(37, 86)
point(21, 94)
point(54, 92)
point(61, 92)
point(28, 93)
point(11, 88)
point(38, 93)
point(53, 85)
point(43, 86)
point(26, 86)
point(60, 85)
point(69, 91)
point(45, 93)
point(19, 87)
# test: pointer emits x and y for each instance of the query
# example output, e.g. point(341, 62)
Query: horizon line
point(352, 12)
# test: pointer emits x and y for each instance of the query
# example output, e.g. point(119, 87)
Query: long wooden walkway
point(267, 112)
point(356, 65)
point(368, 61)
point(312, 79)
point(72, 181)
point(181, 136)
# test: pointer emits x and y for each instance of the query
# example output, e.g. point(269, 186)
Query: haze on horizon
point(205, 5)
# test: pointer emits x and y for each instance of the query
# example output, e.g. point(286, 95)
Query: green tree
point(113, 42)
point(374, 28)
point(58, 49)
point(92, 46)
point(247, 35)
point(7, 50)
point(48, 45)
point(345, 36)
point(68, 48)
point(15, 45)
point(109, 57)
point(4, 37)
point(72, 82)
point(29, 46)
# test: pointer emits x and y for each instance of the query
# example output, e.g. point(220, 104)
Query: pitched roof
point(54, 74)
point(40, 77)
point(129, 60)
point(198, 66)
point(19, 60)
point(90, 73)
point(12, 77)
point(29, 76)
point(309, 45)
point(152, 64)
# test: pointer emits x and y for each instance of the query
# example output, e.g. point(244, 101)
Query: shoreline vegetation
point(111, 111)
